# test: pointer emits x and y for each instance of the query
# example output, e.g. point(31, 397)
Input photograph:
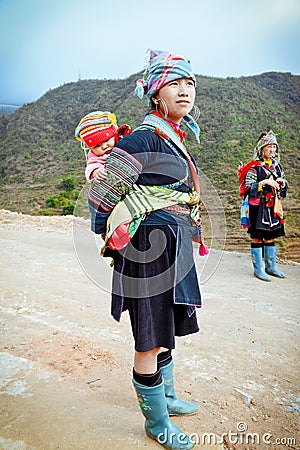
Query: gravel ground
point(65, 364)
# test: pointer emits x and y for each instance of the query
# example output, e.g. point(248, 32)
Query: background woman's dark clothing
point(254, 176)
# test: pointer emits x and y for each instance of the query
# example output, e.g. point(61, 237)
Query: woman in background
point(266, 185)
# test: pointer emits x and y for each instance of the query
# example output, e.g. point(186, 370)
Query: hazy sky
point(46, 43)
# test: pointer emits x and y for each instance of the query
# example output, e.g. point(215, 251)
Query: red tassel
point(203, 249)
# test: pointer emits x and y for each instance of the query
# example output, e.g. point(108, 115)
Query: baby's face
point(104, 147)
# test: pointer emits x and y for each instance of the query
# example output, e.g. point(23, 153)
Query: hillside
point(42, 165)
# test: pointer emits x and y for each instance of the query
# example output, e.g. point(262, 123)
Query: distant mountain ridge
point(42, 165)
point(8, 109)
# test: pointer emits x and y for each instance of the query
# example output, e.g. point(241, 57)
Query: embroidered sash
point(142, 200)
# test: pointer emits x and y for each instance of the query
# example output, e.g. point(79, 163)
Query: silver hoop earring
point(196, 113)
point(164, 107)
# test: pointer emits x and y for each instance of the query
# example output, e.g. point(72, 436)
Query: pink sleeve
point(94, 162)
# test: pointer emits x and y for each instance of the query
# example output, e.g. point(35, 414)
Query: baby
point(98, 133)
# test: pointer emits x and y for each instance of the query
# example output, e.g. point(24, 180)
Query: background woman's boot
point(176, 407)
point(259, 272)
point(270, 260)
point(158, 425)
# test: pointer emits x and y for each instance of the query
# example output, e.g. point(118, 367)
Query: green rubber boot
point(158, 425)
point(176, 407)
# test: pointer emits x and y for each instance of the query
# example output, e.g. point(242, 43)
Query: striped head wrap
point(161, 68)
point(96, 127)
point(266, 139)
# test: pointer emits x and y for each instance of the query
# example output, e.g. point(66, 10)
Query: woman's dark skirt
point(149, 263)
point(262, 235)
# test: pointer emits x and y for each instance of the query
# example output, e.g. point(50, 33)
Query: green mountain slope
point(42, 165)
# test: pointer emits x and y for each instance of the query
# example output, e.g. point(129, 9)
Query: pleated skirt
point(146, 283)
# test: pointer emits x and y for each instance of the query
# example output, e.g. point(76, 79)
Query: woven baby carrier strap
point(167, 133)
point(142, 200)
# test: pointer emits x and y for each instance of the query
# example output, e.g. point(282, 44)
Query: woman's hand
point(274, 184)
point(281, 182)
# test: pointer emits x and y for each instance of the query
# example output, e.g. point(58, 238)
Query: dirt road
point(65, 364)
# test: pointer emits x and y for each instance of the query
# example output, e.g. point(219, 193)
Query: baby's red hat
point(96, 127)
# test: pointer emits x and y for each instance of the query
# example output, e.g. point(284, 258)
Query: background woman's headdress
point(266, 139)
